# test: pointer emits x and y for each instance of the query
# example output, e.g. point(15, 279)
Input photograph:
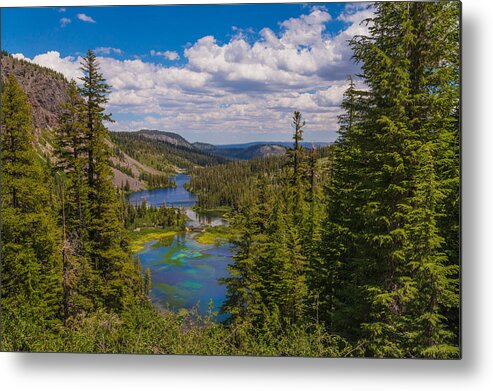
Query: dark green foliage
point(97, 269)
point(268, 287)
point(391, 282)
point(297, 151)
point(151, 216)
point(31, 263)
point(233, 184)
point(156, 181)
point(109, 260)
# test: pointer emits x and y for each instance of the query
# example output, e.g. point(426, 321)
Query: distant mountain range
point(287, 144)
point(235, 151)
point(243, 151)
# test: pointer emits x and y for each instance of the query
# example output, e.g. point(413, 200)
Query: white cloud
point(68, 66)
point(20, 56)
point(306, 30)
point(85, 18)
point(168, 54)
point(299, 57)
point(62, 9)
point(64, 22)
point(104, 50)
point(353, 12)
point(247, 88)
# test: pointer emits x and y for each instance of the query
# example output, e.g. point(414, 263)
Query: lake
point(184, 272)
point(178, 197)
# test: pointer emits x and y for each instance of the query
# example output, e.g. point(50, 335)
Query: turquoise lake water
point(184, 273)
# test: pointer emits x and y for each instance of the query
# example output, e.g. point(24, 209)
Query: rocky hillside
point(128, 172)
point(47, 90)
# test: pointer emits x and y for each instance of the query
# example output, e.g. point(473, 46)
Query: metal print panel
point(255, 179)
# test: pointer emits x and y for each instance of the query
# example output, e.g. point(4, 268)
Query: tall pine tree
point(105, 228)
point(390, 279)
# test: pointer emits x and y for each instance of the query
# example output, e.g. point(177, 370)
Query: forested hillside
point(46, 91)
point(234, 184)
point(243, 152)
point(167, 137)
point(350, 250)
point(156, 150)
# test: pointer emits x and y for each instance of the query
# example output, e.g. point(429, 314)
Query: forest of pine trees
point(232, 185)
point(349, 250)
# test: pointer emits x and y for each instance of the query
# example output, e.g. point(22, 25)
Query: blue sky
point(225, 73)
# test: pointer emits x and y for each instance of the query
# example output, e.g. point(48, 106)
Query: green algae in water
point(189, 284)
point(176, 297)
point(186, 274)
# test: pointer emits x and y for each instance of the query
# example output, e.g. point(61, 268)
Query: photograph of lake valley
point(243, 179)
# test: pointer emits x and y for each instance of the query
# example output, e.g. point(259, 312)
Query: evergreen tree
point(383, 237)
point(79, 280)
point(147, 282)
point(297, 150)
point(31, 265)
point(268, 284)
point(70, 149)
point(105, 228)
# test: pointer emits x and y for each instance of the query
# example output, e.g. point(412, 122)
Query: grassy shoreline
point(138, 238)
point(219, 210)
point(215, 235)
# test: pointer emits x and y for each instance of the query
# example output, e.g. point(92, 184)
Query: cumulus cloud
point(107, 50)
point(85, 18)
point(64, 21)
point(306, 30)
point(301, 55)
point(246, 88)
point(168, 54)
point(68, 66)
point(62, 9)
point(353, 12)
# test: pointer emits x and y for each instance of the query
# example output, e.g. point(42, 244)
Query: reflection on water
point(184, 273)
point(213, 219)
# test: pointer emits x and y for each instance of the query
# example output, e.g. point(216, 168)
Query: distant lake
point(184, 273)
point(178, 197)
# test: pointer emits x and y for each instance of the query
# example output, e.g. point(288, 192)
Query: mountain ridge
point(239, 151)
point(46, 91)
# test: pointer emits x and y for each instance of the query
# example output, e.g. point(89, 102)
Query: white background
point(474, 372)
